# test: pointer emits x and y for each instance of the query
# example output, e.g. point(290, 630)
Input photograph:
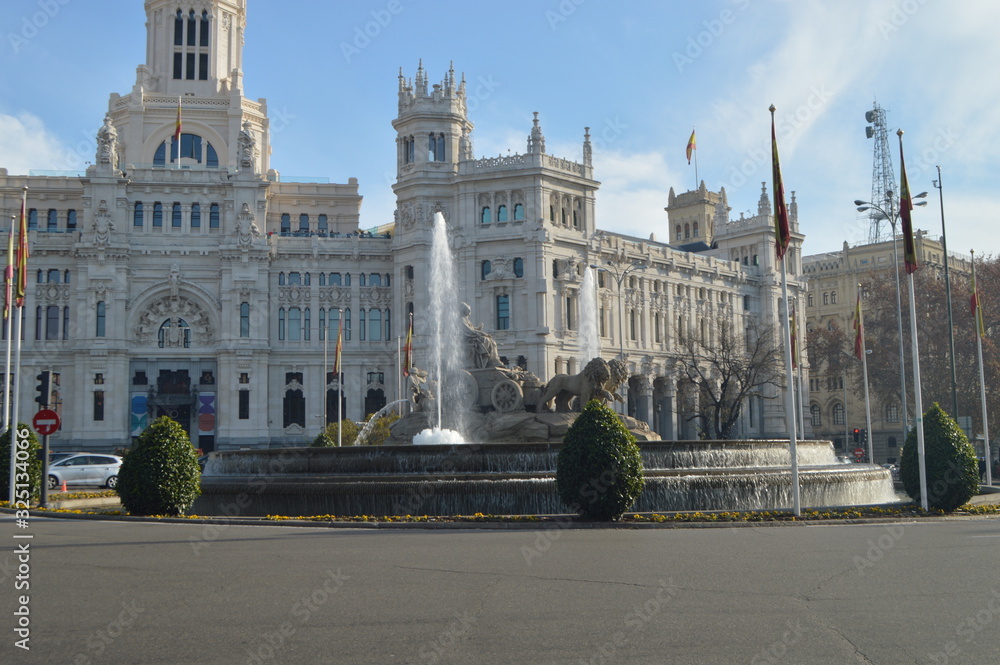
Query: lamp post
point(619, 273)
point(947, 290)
point(893, 218)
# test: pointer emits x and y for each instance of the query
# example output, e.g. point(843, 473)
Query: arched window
point(70, 219)
point(486, 216)
point(174, 332)
point(375, 279)
point(303, 223)
point(286, 223)
point(192, 147)
point(838, 414)
point(53, 220)
point(244, 319)
point(502, 213)
point(281, 279)
point(563, 216)
point(137, 215)
point(687, 231)
point(101, 320)
point(694, 229)
point(361, 279)
point(518, 212)
point(195, 215)
point(157, 215)
point(432, 148)
point(294, 279)
point(576, 220)
point(485, 269)
point(679, 232)
point(213, 216)
point(321, 224)
point(175, 216)
point(53, 276)
point(816, 414)
point(375, 325)
point(518, 267)
point(335, 279)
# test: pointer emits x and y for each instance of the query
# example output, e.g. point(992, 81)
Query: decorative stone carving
point(107, 144)
point(174, 309)
point(247, 147)
point(246, 228)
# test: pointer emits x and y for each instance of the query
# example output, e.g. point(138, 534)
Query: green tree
point(160, 474)
point(599, 468)
point(380, 430)
point(328, 437)
point(950, 462)
point(31, 456)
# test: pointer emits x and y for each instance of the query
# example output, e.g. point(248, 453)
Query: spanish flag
point(781, 230)
point(692, 146)
point(9, 275)
point(22, 254)
point(905, 207)
point(340, 344)
point(177, 126)
point(408, 350)
point(859, 329)
point(977, 305)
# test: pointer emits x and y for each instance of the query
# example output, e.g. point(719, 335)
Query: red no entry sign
point(45, 422)
point(859, 452)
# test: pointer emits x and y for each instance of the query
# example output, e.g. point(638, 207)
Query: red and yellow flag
point(905, 208)
point(859, 329)
point(782, 234)
point(692, 146)
point(22, 254)
point(340, 344)
point(977, 304)
point(9, 275)
point(177, 126)
point(408, 350)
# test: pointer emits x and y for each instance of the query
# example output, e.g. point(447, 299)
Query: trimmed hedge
point(160, 474)
point(950, 460)
point(599, 468)
point(34, 465)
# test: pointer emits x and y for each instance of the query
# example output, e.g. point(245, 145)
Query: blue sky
point(639, 73)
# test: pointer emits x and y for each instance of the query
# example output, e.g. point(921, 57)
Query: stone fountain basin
point(520, 479)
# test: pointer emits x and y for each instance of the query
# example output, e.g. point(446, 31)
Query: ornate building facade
point(181, 275)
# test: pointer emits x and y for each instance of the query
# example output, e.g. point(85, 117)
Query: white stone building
point(187, 278)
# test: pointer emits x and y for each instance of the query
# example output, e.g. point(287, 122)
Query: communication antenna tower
point(883, 179)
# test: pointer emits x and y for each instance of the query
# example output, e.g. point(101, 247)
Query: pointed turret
point(536, 140)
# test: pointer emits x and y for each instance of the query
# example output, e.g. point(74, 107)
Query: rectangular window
point(361, 328)
point(202, 66)
point(213, 216)
point(53, 221)
point(32, 219)
point(71, 220)
point(204, 32)
point(98, 405)
point(503, 312)
point(244, 405)
point(294, 324)
point(101, 323)
point(195, 216)
point(137, 215)
point(189, 74)
point(175, 217)
point(375, 325)
point(52, 322)
point(178, 65)
point(244, 319)
point(191, 32)
point(157, 215)
point(65, 327)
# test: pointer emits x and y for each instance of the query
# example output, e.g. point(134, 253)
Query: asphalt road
point(129, 592)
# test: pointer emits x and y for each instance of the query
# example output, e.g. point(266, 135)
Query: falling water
point(590, 342)
point(444, 319)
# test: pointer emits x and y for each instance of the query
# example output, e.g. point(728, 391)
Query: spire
point(793, 212)
point(588, 150)
point(421, 82)
point(764, 204)
point(536, 141)
point(671, 198)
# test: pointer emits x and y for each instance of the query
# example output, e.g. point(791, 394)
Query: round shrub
point(952, 468)
point(160, 474)
point(31, 455)
point(328, 437)
point(599, 469)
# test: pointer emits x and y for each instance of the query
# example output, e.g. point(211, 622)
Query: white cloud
point(27, 145)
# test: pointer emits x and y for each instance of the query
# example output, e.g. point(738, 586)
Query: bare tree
point(726, 366)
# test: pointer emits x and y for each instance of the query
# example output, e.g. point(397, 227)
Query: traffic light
point(857, 435)
point(864, 436)
point(43, 389)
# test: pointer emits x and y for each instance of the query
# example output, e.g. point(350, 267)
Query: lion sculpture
point(619, 375)
point(587, 385)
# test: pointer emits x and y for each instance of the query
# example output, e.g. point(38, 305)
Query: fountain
point(511, 467)
point(590, 340)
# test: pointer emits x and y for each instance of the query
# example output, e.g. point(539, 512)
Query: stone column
point(643, 397)
point(667, 422)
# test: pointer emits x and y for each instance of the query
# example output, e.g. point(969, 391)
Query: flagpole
point(782, 240)
point(18, 300)
point(798, 364)
point(864, 370)
point(340, 380)
point(17, 380)
point(9, 315)
point(326, 368)
point(905, 207)
point(696, 181)
point(399, 375)
point(978, 316)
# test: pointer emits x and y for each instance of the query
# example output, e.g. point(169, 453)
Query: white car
point(85, 469)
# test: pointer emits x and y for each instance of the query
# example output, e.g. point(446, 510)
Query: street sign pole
point(44, 503)
point(45, 422)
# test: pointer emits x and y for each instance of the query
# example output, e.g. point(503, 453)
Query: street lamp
point(893, 218)
point(619, 273)
point(947, 290)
